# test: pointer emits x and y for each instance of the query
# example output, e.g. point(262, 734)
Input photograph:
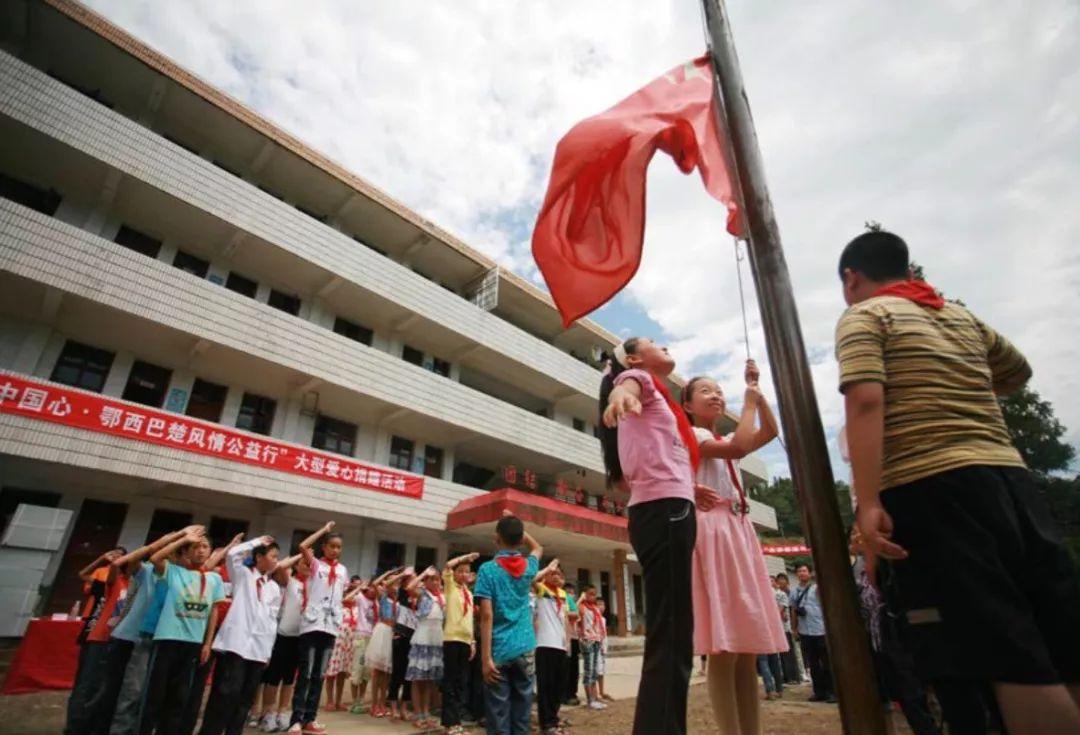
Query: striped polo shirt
point(940, 369)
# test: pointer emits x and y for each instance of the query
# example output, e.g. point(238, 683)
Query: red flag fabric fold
point(588, 236)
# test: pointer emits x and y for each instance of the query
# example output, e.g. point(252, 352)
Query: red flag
point(588, 237)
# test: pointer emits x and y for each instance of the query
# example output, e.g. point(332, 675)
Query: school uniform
point(281, 669)
point(189, 597)
point(243, 644)
point(404, 628)
point(321, 614)
point(457, 647)
point(551, 612)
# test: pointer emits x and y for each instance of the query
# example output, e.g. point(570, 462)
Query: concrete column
point(136, 524)
point(118, 375)
point(231, 410)
point(28, 358)
point(167, 253)
point(621, 613)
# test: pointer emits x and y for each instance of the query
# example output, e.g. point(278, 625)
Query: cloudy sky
point(956, 126)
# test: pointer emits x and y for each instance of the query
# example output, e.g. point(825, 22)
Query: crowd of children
point(470, 647)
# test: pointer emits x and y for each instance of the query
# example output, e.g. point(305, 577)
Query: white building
point(167, 254)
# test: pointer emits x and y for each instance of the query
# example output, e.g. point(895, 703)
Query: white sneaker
point(269, 722)
point(283, 723)
point(295, 729)
point(597, 705)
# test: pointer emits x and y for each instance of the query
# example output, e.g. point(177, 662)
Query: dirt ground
point(43, 714)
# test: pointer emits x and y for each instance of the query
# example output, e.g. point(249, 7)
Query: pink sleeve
point(648, 390)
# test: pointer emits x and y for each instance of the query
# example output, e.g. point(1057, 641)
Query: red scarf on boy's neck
point(686, 431)
point(514, 564)
point(554, 591)
point(919, 292)
point(466, 599)
point(332, 577)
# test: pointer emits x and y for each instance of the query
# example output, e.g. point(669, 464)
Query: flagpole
point(852, 666)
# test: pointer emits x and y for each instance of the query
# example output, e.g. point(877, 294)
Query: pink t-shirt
point(654, 459)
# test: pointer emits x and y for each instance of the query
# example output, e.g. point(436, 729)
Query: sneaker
point(269, 723)
point(283, 723)
point(254, 720)
point(313, 728)
point(597, 705)
point(296, 729)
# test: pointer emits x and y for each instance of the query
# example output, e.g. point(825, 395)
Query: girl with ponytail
point(650, 450)
point(736, 616)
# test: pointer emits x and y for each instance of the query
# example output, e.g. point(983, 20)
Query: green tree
point(781, 495)
point(1036, 432)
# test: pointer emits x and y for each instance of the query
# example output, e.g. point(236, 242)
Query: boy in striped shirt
point(989, 591)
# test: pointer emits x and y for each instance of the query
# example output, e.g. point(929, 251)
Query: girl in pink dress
point(735, 615)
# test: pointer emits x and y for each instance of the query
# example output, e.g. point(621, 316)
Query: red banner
point(786, 550)
point(92, 412)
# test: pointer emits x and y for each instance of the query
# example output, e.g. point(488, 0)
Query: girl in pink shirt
point(650, 449)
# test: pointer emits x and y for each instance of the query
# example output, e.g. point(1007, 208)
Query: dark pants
point(476, 688)
point(573, 671)
point(897, 682)
point(93, 658)
point(509, 701)
point(231, 695)
point(104, 704)
point(172, 667)
point(194, 702)
point(550, 685)
point(790, 663)
point(663, 533)
point(816, 654)
point(455, 684)
point(768, 666)
point(313, 654)
point(399, 688)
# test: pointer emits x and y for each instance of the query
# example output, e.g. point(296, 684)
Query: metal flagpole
point(849, 646)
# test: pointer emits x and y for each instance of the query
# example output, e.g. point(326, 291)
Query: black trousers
point(86, 693)
point(104, 705)
point(573, 671)
point(455, 683)
point(231, 694)
point(550, 685)
point(663, 533)
point(790, 662)
point(476, 689)
point(399, 688)
point(313, 655)
point(816, 654)
point(194, 702)
point(172, 668)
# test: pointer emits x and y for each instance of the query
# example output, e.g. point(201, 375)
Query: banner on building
point(61, 405)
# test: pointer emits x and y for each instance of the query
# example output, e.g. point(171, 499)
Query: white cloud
point(954, 126)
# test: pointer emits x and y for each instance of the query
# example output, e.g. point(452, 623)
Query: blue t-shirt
point(813, 623)
point(187, 604)
point(140, 593)
point(157, 602)
point(512, 632)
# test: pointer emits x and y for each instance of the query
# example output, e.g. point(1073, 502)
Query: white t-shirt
point(713, 471)
point(251, 625)
point(289, 625)
point(550, 620)
point(324, 611)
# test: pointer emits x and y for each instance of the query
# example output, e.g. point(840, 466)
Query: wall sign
point(92, 412)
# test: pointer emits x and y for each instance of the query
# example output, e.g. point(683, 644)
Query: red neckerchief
point(920, 292)
point(332, 577)
point(258, 588)
point(514, 564)
point(439, 598)
point(202, 580)
point(554, 592)
point(686, 431)
point(744, 504)
point(591, 607)
point(466, 599)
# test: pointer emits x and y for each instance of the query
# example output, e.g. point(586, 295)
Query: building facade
point(203, 320)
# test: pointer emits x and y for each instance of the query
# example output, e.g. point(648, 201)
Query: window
point(94, 94)
point(377, 250)
point(82, 366)
point(298, 537)
point(185, 146)
point(579, 425)
point(11, 498)
point(425, 557)
point(223, 530)
point(391, 556)
point(225, 168)
point(285, 302)
point(188, 262)
point(433, 461)
point(166, 521)
point(146, 384)
point(440, 367)
point(242, 286)
point(413, 355)
point(271, 192)
point(28, 195)
point(256, 414)
point(353, 331)
point(334, 436)
point(317, 217)
point(473, 476)
point(207, 400)
point(401, 453)
point(140, 242)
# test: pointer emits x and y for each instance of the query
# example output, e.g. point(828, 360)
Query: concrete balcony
point(32, 98)
point(126, 294)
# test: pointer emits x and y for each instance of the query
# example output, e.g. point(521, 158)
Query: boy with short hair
point(552, 645)
point(459, 642)
point(506, 631)
point(942, 491)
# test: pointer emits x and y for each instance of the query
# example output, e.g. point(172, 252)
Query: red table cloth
point(46, 658)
